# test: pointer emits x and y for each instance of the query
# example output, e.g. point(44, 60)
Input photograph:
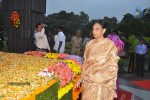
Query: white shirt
point(55, 38)
point(41, 40)
point(60, 37)
point(56, 42)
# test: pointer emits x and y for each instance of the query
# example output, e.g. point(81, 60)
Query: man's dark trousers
point(140, 64)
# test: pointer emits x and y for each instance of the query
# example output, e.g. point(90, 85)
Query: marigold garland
point(15, 19)
point(39, 90)
point(75, 93)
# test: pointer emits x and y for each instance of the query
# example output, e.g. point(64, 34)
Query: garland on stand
point(15, 19)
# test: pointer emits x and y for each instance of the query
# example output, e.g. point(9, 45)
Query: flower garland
point(15, 19)
point(51, 56)
point(35, 53)
point(75, 67)
point(65, 72)
point(62, 72)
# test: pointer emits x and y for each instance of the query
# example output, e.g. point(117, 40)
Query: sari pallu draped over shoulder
point(100, 68)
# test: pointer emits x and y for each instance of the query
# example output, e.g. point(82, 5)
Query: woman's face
point(39, 28)
point(98, 31)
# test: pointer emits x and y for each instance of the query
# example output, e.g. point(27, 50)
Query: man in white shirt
point(41, 41)
point(60, 40)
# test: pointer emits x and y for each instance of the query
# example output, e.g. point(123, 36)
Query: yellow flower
point(51, 55)
point(24, 69)
point(74, 66)
point(64, 90)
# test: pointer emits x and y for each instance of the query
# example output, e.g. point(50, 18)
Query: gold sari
point(100, 70)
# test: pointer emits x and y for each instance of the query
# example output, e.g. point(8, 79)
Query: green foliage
point(68, 96)
point(132, 42)
point(146, 14)
point(135, 26)
point(70, 22)
point(68, 48)
point(146, 39)
point(49, 94)
point(112, 22)
point(148, 51)
point(52, 94)
point(124, 62)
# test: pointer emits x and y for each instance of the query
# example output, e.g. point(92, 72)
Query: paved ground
point(138, 93)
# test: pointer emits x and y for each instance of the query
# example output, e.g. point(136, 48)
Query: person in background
point(141, 50)
point(51, 41)
point(118, 42)
point(1, 37)
point(76, 42)
point(41, 41)
point(87, 39)
point(100, 66)
point(60, 40)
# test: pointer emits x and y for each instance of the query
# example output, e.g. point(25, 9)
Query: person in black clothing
point(1, 38)
point(50, 38)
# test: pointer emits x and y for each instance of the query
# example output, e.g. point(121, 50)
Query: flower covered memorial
point(28, 77)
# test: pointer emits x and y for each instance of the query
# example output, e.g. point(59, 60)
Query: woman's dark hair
point(115, 31)
point(60, 27)
point(101, 22)
point(104, 25)
point(38, 24)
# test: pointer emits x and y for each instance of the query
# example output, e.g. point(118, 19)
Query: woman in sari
point(99, 72)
